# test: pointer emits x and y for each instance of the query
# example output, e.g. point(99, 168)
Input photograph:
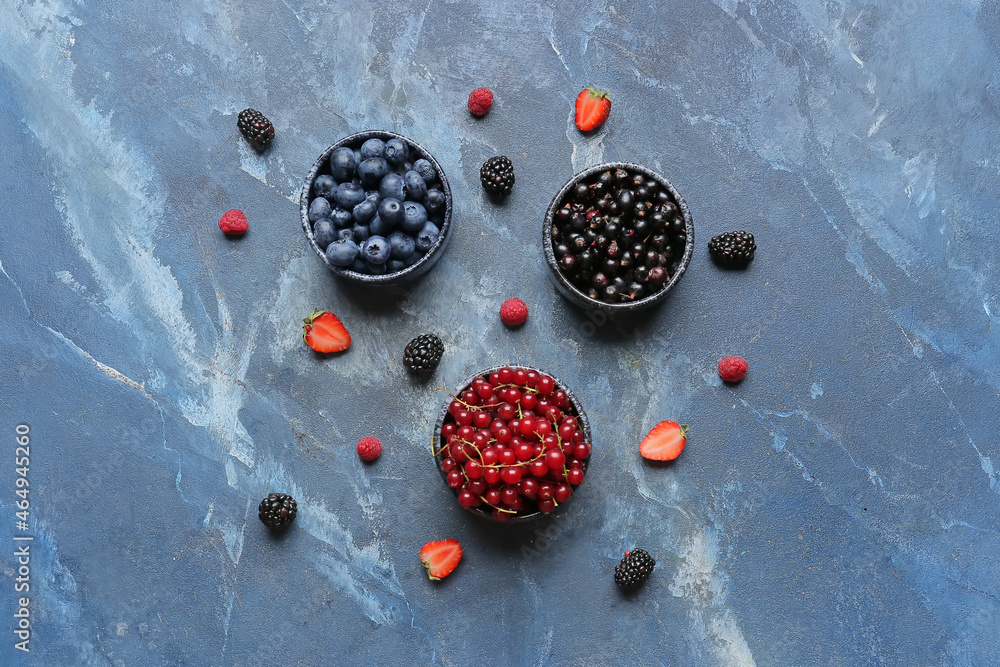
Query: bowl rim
point(550, 256)
point(581, 415)
point(364, 278)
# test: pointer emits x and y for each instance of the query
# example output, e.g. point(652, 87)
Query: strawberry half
point(440, 558)
point(324, 332)
point(665, 442)
point(592, 108)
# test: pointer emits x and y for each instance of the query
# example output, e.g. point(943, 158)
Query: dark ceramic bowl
point(577, 411)
point(571, 291)
point(430, 258)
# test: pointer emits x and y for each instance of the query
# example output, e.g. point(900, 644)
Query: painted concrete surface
point(838, 507)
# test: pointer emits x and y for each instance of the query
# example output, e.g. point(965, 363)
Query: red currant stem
point(499, 509)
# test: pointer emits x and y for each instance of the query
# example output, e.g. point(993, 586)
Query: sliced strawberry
point(324, 332)
point(665, 442)
point(440, 558)
point(592, 108)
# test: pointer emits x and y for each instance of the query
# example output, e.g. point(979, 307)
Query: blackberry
point(277, 510)
point(634, 569)
point(256, 128)
point(732, 249)
point(497, 175)
point(423, 354)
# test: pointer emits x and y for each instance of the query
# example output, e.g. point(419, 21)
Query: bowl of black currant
point(617, 237)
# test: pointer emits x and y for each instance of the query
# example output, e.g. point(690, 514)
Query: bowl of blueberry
point(376, 208)
point(513, 444)
point(617, 237)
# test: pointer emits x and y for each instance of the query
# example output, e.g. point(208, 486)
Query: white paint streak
point(704, 584)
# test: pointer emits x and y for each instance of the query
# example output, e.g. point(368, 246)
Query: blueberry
point(395, 265)
point(396, 151)
point(434, 200)
point(415, 186)
point(343, 162)
point(372, 171)
point(324, 232)
point(407, 166)
point(373, 148)
point(357, 157)
point(379, 227)
point(376, 249)
point(361, 232)
point(319, 208)
point(375, 269)
point(401, 245)
point(415, 215)
point(391, 212)
point(324, 185)
point(426, 170)
point(342, 252)
point(391, 187)
point(359, 265)
point(349, 195)
point(346, 233)
point(365, 211)
point(427, 236)
point(342, 218)
point(413, 258)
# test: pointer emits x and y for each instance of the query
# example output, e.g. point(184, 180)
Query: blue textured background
point(840, 506)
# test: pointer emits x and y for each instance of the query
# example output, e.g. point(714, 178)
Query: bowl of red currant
point(513, 444)
point(617, 237)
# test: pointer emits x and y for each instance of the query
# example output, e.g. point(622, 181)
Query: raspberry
point(513, 312)
point(234, 222)
point(733, 369)
point(480, 101)
point(369, 448)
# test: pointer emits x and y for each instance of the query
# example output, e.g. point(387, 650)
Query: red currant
point(455, 479)
point(546, 506)
point(496, 425)
point(574, 476)
point(491, 475)
point(448, 464)
point(507, 456)
point(477, 486)
point(454, 407)
point(458, 452)
point(508, 495)
point(562, 493)
point(545, 491)
point(528, 487)
point(554, 459)
point(484, 390)
point(504, 435)
point(466, 498)
point(505, 375)
point(542, 429)
point(527, 426)
point(546, 385)
point(481, 419)
point(528, 401)
point(511, 475)
point(469, 397)
point(520, 376)
point(473, 469)
point(492, 496)
point(532, 379)
point(513, 395)
point(501, 516)
point(581, 451)
point(506, 412)
point(539, 468)
point(494, 378)
point(466, 432)
point(524, 451)
point(490, 456)
point(464, 417)
point(449, 430)
point(560, 399)
point(566, 431)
